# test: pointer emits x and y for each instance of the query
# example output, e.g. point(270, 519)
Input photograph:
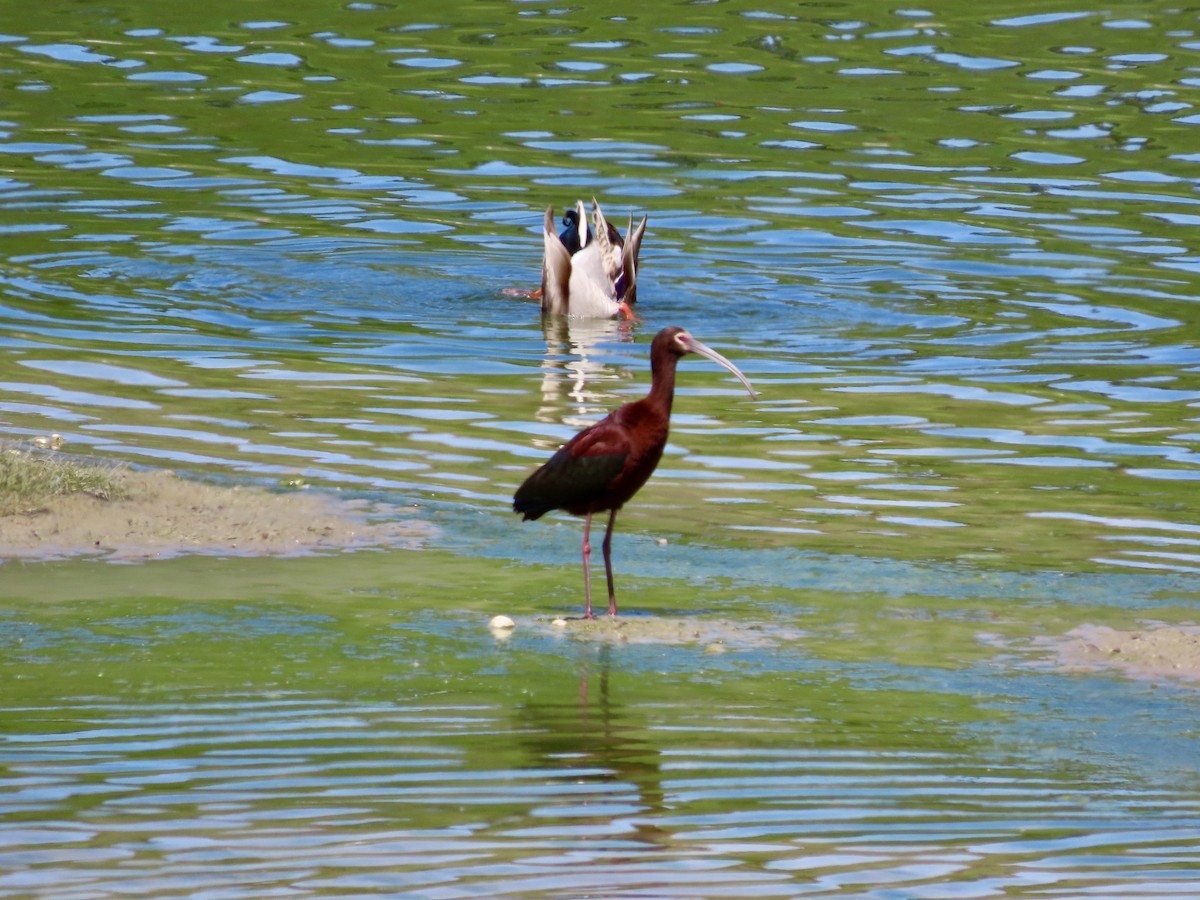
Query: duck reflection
point(575, 383)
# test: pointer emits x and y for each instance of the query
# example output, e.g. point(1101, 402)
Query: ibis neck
point(662, 380)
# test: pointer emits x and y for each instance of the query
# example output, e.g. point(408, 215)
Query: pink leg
point(587, 568)
point(607, 548)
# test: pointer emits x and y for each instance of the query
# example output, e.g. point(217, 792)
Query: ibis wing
point(575, 478)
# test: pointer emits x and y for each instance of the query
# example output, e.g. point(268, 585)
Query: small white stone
point(501, 623)
point(560, 622)
point(662, 542)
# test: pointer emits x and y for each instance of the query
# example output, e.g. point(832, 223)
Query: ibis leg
point(607, 548)
point(587, 568)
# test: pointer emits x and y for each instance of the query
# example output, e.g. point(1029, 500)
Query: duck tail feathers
point(556, 268)
point(629, 260)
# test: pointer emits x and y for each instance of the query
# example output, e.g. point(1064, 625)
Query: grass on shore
point(29, 477)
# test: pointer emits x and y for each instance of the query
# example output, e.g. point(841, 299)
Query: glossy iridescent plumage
point(603, 466)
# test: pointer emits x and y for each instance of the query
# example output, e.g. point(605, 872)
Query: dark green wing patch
point(569, 482)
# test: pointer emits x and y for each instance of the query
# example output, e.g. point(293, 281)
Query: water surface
point(954, 251)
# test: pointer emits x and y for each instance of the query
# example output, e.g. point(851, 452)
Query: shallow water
point(337, 727)
point(953, 251)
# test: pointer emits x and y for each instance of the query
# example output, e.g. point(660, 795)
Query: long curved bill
point(697, 347)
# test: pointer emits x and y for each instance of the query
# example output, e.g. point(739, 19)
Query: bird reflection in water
point(595, 730)
point(574, 386)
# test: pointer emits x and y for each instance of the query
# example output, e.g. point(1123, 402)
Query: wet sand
point(1169, 652)
point(160, 515)
point(714, 635)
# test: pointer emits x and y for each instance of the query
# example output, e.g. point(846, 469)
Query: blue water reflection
point(952, 250)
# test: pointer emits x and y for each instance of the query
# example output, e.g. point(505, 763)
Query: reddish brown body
point(603, 466)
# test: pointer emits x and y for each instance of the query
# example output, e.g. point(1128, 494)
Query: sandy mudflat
point(714, 634)
point(162, 515)
point(1157, 652)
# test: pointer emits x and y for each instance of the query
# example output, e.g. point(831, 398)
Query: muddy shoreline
point(1157, 652)
point(158, 515)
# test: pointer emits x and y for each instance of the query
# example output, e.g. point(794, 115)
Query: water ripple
point(313, 797)
point(210, 236)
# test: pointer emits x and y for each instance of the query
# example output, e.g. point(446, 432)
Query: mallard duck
point(589, 273)
point(573, 235)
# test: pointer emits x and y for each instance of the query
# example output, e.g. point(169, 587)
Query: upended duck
point(589, 273)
